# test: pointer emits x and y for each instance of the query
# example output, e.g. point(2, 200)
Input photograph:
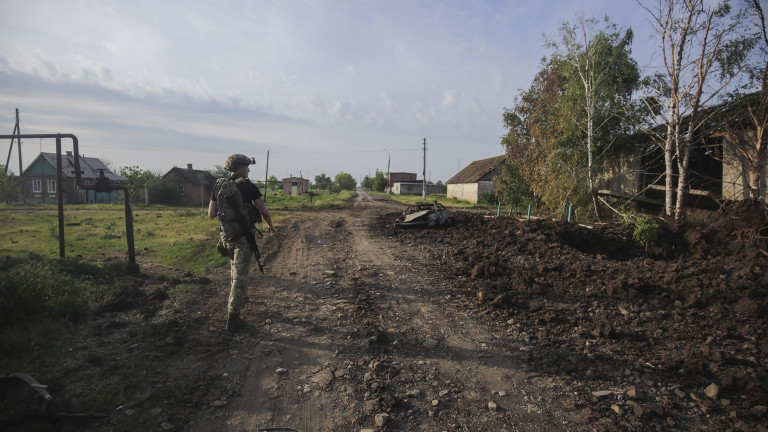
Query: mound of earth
point(654, 337)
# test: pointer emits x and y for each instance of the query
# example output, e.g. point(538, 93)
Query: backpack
point(230, 222)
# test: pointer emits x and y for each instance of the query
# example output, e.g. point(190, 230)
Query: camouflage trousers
point(239, 268)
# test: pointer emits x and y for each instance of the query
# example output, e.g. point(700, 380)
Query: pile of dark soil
point(673, 335)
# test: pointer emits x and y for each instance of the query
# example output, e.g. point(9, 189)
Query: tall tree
point(344, 181)
point(323, 182)
point(699, 46)
point(600, 77)
point(567, 121)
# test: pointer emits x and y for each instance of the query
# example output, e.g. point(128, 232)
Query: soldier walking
point(238, 205)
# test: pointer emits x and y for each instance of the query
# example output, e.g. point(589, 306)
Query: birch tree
point(696, 41)
point(600, 76)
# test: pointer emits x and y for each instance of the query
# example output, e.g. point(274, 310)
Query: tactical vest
point(230, 222)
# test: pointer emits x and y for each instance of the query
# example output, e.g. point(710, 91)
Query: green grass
point(175, 236)
point(314, 201)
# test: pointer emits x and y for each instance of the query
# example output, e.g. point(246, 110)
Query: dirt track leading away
point(348, 327)
point(491, 324)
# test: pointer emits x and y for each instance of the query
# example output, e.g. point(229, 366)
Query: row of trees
point(589, 102)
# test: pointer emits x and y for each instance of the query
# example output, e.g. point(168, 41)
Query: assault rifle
point(233, 203)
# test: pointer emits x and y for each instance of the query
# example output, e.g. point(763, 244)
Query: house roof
point(90, 167)
point(295, 179)
point(192, 176)
point(477, 170)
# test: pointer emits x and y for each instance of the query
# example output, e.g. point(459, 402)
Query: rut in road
point(345, 326)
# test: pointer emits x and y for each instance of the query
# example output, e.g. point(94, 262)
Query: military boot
point(235, 322)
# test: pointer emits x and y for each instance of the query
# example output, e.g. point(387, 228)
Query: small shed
point(295, 186)
point(475, 180)
point(193, 186)
point(40, 180)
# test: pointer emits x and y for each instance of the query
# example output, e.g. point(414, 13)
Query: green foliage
point(379, 182)
point(573, 101)
point(9, 186)
point(646, 229)
point(344, 181)
point(487, 198)
point(219, 171)
point(33, 286)
point(142, 182)
point(323, 182)
point(366, 183)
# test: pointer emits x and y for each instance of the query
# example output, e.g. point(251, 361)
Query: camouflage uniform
point(239, 266)
point(238, 251)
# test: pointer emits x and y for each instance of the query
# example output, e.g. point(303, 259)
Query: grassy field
point(174, 236)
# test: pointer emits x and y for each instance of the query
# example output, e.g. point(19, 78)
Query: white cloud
point(150, 81)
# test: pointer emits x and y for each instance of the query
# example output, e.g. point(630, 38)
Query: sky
point(324, 86)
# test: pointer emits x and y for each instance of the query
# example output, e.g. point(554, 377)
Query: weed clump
point(645, 228)
point(33, 287)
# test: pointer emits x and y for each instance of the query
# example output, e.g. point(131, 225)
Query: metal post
point(60, 196)
point(529, 212)
point(570, 212)
point(132, 268)
point(424, 172)
point(266, 179)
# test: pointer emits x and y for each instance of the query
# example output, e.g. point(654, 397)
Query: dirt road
point(347, 332)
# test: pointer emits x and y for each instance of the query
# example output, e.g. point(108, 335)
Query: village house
point(475, 179)
point(193, 186)
point(399, 177)
point(40, 180)
point(295, 186)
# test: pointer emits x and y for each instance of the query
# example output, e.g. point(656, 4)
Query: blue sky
point(326, 86)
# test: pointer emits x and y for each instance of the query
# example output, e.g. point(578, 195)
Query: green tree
point(344, 181)
point(379, 182)
point(599, 76)
point(9, 186)
point(219, 171)
point(323, 182)
point(562, 127)
point(273, 182)
point(367, 183)
point(145, 185)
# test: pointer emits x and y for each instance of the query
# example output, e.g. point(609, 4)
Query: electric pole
point(424, 172)
point(10, 150)
point(266, 179)
point(16, 131)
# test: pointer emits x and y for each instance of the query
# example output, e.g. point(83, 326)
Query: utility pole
point(10, 150)
point(424, 172)
point(388, 188)
point(16, 131)
point(266, 178)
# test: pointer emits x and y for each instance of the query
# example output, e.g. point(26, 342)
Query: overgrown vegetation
point(36, 287)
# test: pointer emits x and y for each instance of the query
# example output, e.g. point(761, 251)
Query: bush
point(35, 287)
point(645, 228)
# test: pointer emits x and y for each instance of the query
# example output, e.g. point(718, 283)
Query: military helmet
point(237, 160)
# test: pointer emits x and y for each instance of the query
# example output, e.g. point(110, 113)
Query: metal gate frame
point(103, 184)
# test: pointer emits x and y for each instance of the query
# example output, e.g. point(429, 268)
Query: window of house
point(37, 185)
point(409, 188)
point(181, 189)
point(51, 186)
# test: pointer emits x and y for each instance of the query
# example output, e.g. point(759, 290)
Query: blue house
point(40, 180)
